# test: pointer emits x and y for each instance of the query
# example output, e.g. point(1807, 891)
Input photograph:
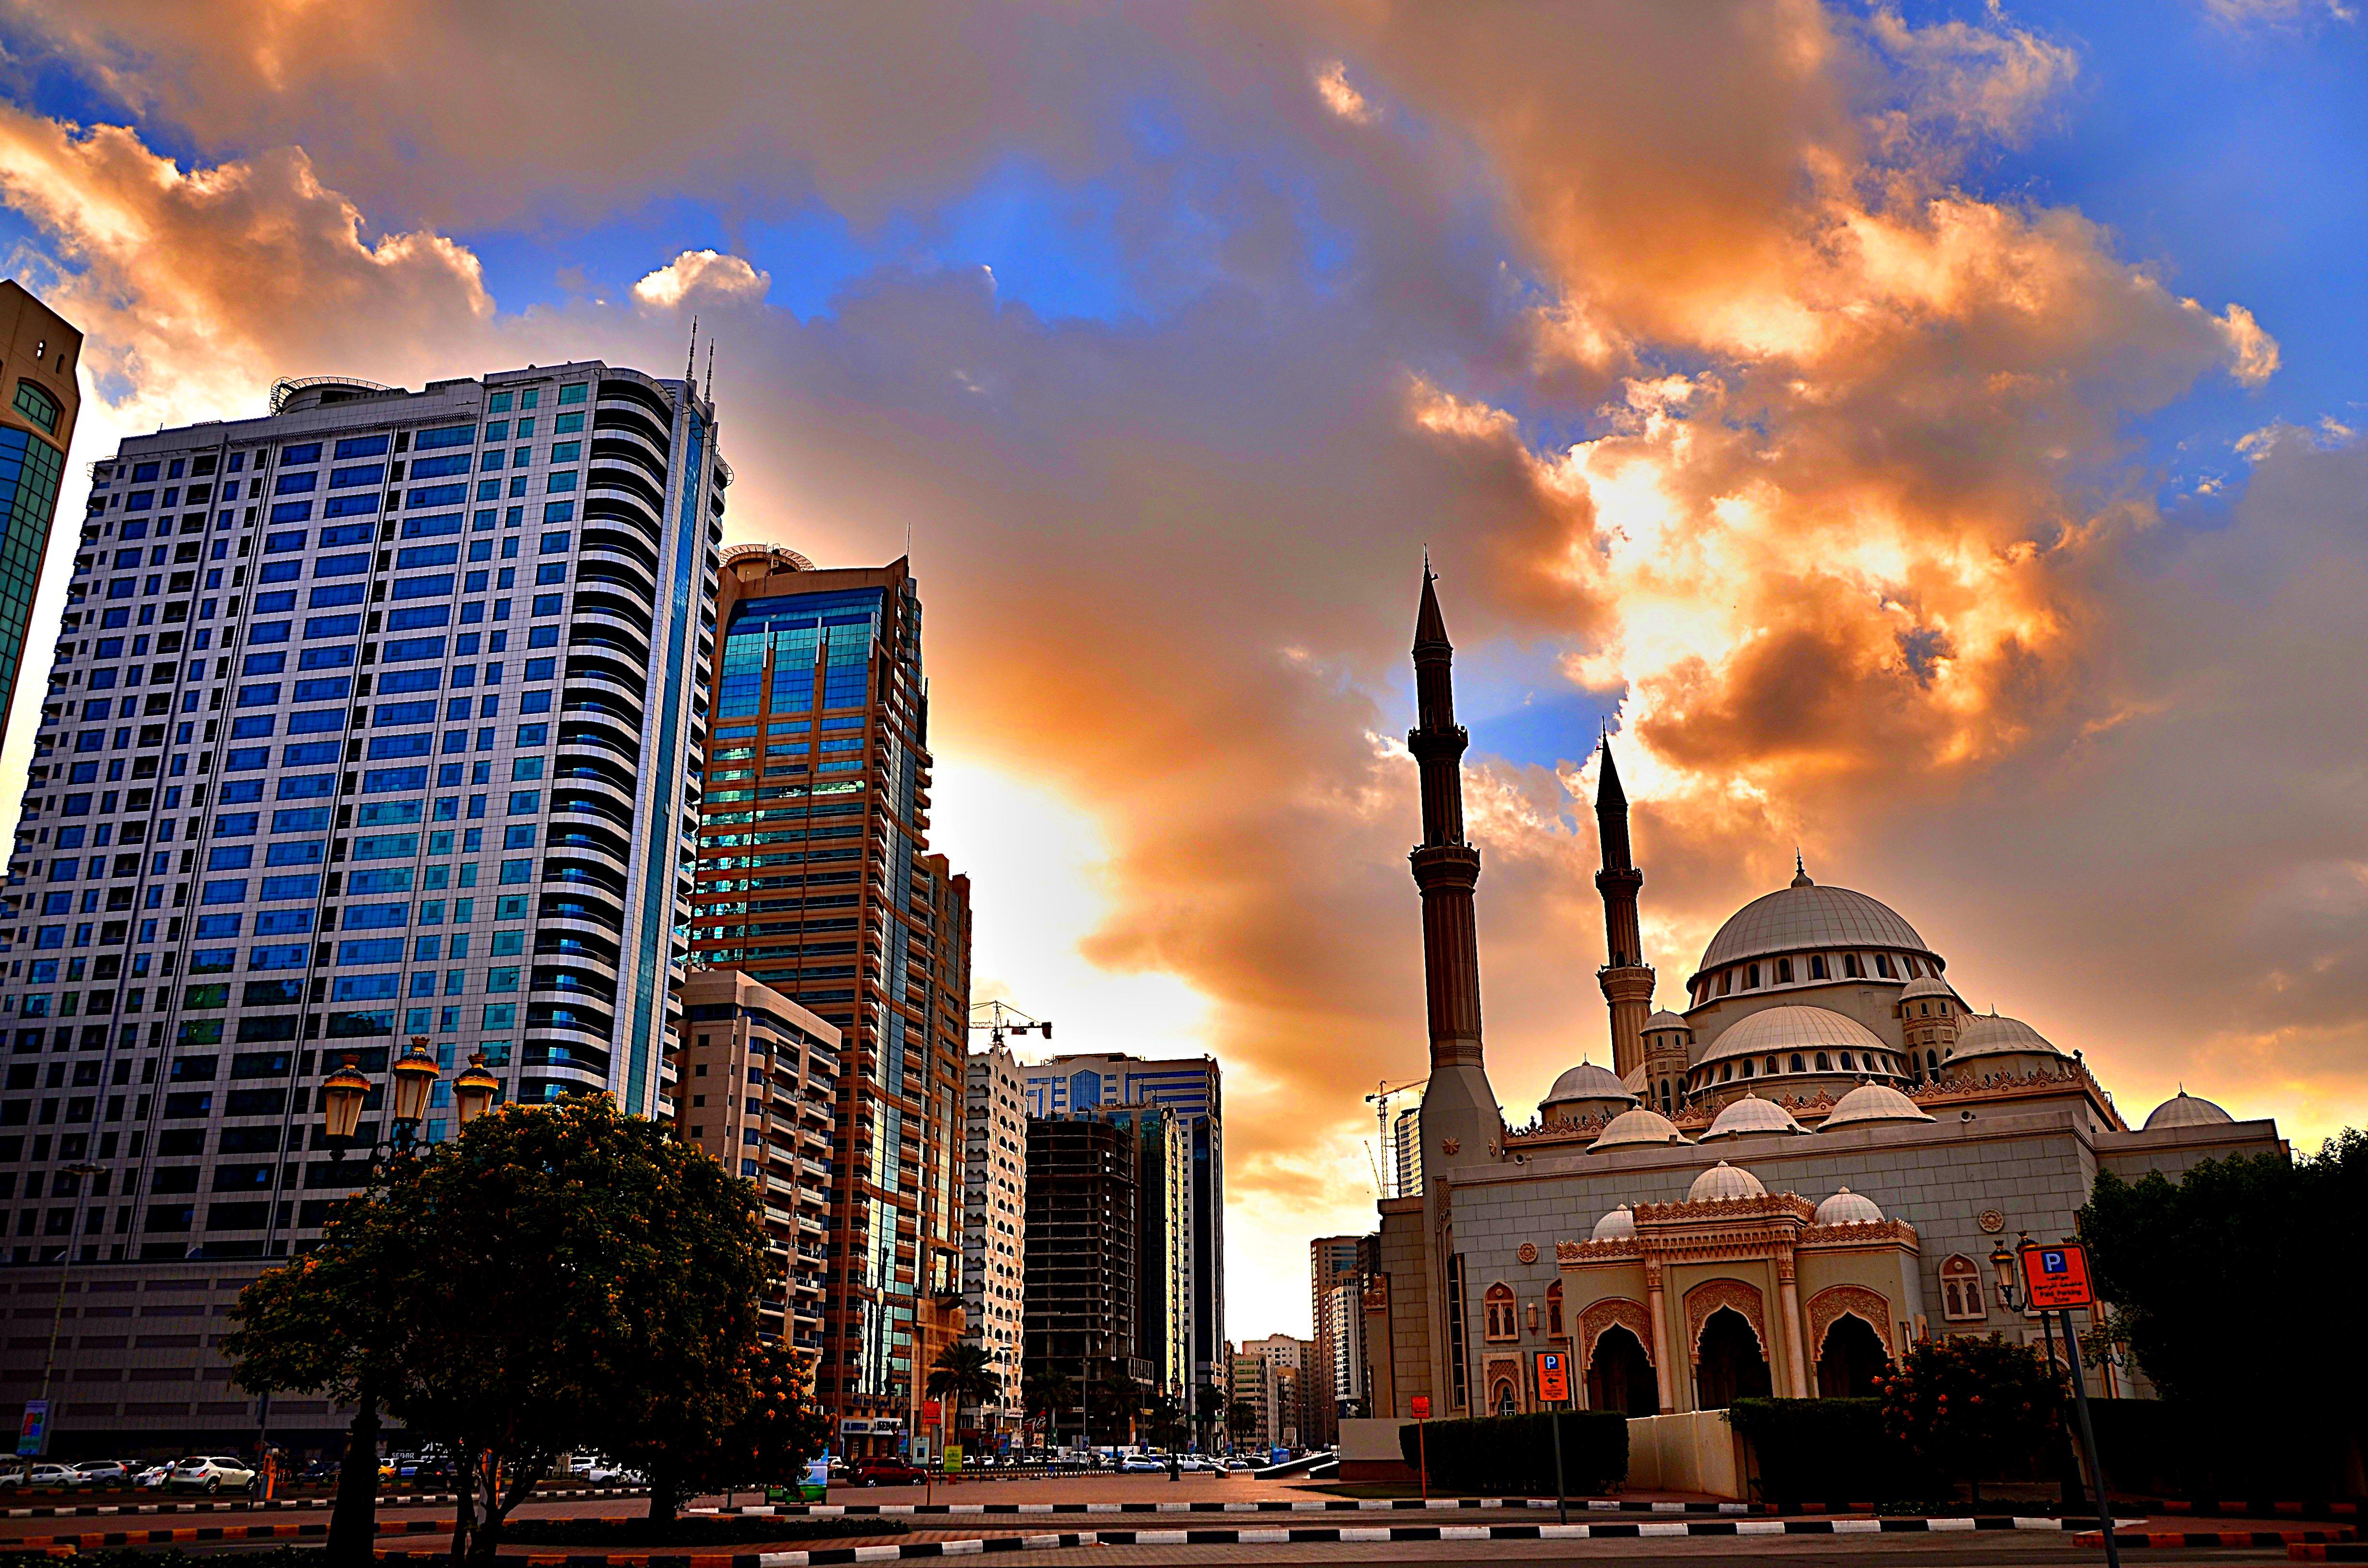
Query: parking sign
point(1554, 1378)
point(2055, 1278)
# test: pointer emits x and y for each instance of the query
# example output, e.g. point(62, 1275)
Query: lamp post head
point(473, 1090)
point(415, 1074)
point(341, 1100)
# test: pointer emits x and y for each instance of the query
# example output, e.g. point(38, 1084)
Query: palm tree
point(1241, 1421)
point(965, 1374)
point(1048, 1392)
point(1212, 1410)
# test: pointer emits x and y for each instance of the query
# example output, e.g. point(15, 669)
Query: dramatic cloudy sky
point(1925, 434)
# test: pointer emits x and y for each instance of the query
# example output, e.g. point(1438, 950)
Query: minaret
point(1445, 867)
point(1460, 1120)
point(1626, 978)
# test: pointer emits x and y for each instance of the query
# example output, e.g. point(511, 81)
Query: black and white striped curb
point(1261, 1506)
point(1325, 1534)
point(278, 1505)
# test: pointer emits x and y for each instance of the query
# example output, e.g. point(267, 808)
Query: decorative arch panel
point(1612, 1311)
point(1710, 1297)
point(1835, 1302)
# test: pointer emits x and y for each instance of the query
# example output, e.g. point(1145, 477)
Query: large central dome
point(1806, 917)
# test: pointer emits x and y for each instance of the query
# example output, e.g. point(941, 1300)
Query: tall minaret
point(1460, 1120)
point(1626, 978)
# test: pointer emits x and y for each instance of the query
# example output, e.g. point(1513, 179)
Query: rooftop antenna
point(710, 368)
point(690, 353)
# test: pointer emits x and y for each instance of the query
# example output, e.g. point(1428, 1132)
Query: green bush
point(1515, 1453)
point(1824, 1450)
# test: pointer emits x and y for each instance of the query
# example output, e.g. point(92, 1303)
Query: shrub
point(1964, 1407)
point(1824, 1450)
point(1515, 1453)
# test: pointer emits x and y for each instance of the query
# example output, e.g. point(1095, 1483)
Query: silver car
point(211, 1473)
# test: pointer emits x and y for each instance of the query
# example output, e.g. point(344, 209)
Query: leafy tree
point(556, 1277)
point(1167, 1425)
point(1241, 1421)
point(1964, 1405)
point(1209, 1411)
point(1048, 1392)
point(1118, 1398)
point(964, 1374)
point(774, 1429)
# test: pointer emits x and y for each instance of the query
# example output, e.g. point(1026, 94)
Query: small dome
point(1723, 1182)
point(2184, 1110)
point(1588, 1082)
point(1871, 1103)
point(1848, 1207)
point(1987, 1034)
point(1632, 1129)
point(1619, 1225)
point(1665, 1020)
point(1790, 1028)
point(1751, 1114)
point(1925, 985)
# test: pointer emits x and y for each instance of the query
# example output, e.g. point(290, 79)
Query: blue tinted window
point(310, 786)
point(417, 616)
point(292, 511)
point(309, 453)
point(346, 533)
point(405, 649)
point(346, 478)
point(448, 435)
point(297, 483)
point(360, 447)
point(431, 528)
point(347, 506)
point(283, 922)
point(275, 543)
point(335, 594)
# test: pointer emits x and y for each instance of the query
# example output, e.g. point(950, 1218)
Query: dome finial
point(1800, 872)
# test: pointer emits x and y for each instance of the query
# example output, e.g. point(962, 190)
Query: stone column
point(1657, 1311)
point(1796, 1344)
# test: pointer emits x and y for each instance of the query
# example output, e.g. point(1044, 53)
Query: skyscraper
point(1332, 1262)
point(1079, 1309)
point(1193, 1087)
point(371, 721)
point(38, 400)
point(814, 878)
point(994, 1208)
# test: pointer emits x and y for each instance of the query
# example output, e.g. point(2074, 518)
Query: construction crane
point(1385, 1092)
point(1002, 1018)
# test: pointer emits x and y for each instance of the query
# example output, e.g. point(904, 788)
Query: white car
point(153, 1477)
point(40, 1475)
point(211, 1473)
point(103, 1473)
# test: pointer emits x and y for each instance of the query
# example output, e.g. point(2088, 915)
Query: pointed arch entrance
point(1620, 1374)
point(1729, 1362)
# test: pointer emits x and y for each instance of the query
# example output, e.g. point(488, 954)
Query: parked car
point(39, 1475)
point(318, 1471)
point(153, 1477)
point(885, 1469)
point(1142, 1464)
point(211, 1473)
point(609, 1472)
point(103, 1473)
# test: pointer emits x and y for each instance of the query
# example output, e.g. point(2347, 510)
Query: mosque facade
point(1818, 1156)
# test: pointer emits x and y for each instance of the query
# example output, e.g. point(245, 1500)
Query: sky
point(1925, 436)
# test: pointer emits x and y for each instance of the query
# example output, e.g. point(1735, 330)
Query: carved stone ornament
point(1527, 1251)
point(1611, 1310)
point(1829, 1306)
point(1992, 1221)
point(1452, 1146)
point(1712, 1295)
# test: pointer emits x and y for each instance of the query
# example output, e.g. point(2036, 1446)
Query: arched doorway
point(1502, 1400)
point(1852, 1358)
point(1730, 1365)
point(1620, 1376)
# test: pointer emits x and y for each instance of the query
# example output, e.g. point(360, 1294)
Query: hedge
point(1826, 1450)
point(1515, 1453)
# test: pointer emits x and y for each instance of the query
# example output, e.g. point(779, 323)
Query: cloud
point(1332, 86)
point(697, 274)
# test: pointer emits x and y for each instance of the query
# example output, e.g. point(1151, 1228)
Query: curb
point(1320, 1534)
point(2292, 1539)
point(2314, 1552)
point(290, 1505)
point(92, 1539)
point(1265, 1506)
point(2239, 1509)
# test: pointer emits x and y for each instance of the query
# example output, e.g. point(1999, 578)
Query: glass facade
point(334, 757)
point(30, 468)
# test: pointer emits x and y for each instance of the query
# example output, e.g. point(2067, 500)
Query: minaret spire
point(1445, 867)
point(1626, 978)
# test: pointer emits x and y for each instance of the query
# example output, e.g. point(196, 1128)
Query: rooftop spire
point(1430, 626)
point(1626, 979)
point(1445, 867)
point(1800, 872)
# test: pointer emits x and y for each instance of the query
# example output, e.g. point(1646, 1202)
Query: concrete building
point(1340, 1334)
point(1270, 1375)
point(755, 1078)
point(1332, 1261)
point(1193, 1087)
point(1162, 1271)
point(994, 1210)
point(39, 398)
point(1078, 1306)
point(1814, 1165)
point(1405, 1152)
point(813, 877)
point(372, 720)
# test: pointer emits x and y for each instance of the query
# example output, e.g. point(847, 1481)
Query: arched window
point(1915, 970)
point(1849, 967)
point(1924, 1010)
point(1783, 971)
point(1501, 1323)
point(1822, 1065)
point(1751, 977)
point(1772, 1065)
point(1554, 1309)
point(1797, 1063)
point(1932, 1061)
point(1846, 1066)
point(1726, 981)
point(1725, 1072)
point(1664, 1096)
point(1746, 1067)
point(1961, 1289)
point(1883, 965)
point(1816, 966)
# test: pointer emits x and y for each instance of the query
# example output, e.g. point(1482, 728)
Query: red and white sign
point(1421, 1404)
point(2055, 1278)
point(931, 1413)
point(1554, 1378)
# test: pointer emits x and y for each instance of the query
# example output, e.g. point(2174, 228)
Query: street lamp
point(473, 1090)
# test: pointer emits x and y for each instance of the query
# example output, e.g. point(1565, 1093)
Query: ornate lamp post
point(353, 1525)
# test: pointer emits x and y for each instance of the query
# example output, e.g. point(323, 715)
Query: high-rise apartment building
point(814, 878)
point(754, 1083)
point(370, 720)
point(1331, 1261)
point(1341, 1336)
point(994, 1210)
point(1269, 1375)
point(38, 400)
point(1193, 1087)
point(1406, 1152)
point(1163, 1238)
point(1078, 1306)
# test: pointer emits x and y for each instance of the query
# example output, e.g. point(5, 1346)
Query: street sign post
point(1420, 1405)
point(33, 1436)
point(2056, 1278)
point(1554, 1392)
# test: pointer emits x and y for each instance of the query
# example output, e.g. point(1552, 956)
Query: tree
point(1167, 1425)
point(964, 1373)
point(1048, 1392)
point(556, 1277)
point(1963, 1405)
point(1118, 1398)
point(1241, 1421)
point(773, 1431)
point(1209, 1411)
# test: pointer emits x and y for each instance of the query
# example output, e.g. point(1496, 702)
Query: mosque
point(1821, 1155)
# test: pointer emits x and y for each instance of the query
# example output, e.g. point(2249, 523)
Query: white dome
point(1632, 1129)
point(1987, 1034)
point(1723, 1182)
point(1806, 917)
point(1925, 985)
point(1617, 1226)
point(1775, 1029)
point(1871, 1103)
point(1665, 1020)
point(1751, 1114)
point(1848, 1207)
point(2184, 1110)
point(1588, 1082)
